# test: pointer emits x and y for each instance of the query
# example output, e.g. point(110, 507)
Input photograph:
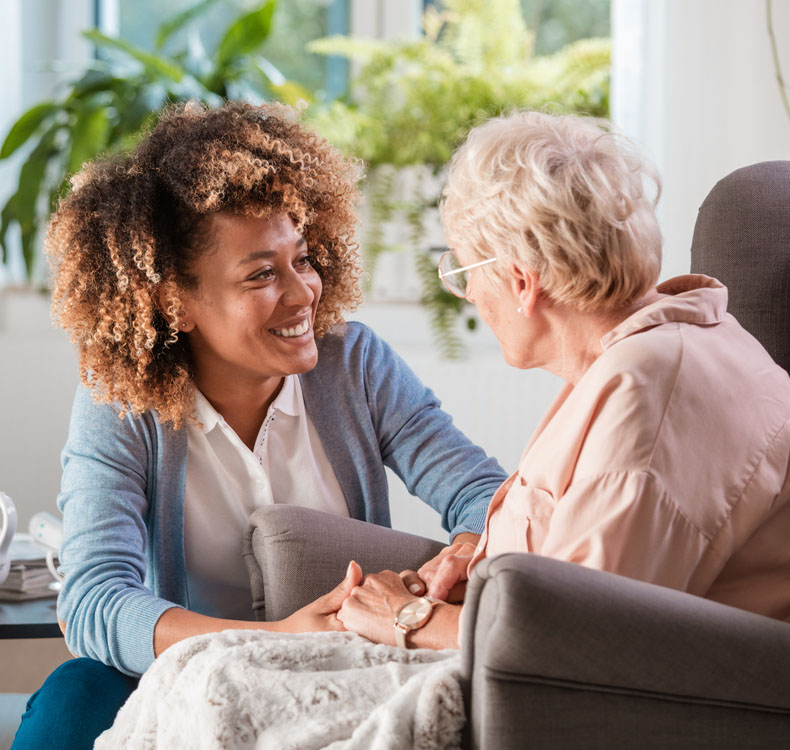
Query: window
point(556, 23)
point(296, 22)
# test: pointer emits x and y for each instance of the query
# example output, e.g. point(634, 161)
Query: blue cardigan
point(122, 494)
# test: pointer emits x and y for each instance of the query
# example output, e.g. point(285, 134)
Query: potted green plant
point(109, 106)
point(413, 101)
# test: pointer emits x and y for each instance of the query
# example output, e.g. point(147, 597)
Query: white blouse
point(226, 481)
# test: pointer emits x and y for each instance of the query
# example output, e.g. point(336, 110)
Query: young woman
point(202, 279)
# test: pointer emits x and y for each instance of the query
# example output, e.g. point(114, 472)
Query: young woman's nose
point(298, 291)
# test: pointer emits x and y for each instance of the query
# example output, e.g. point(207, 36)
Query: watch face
point(414, 613)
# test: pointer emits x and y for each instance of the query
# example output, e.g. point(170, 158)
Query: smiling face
point(250, 319)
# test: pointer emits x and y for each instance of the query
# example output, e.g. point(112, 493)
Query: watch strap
point(401, 631)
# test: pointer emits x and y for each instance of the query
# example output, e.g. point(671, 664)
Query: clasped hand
point(368, 607)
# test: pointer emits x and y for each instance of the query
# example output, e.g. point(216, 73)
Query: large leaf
point(178, 21)
point(95, 80)
point(6, 217)
point(136, 110)
point(23, 205)
point(190, 87)
point(270, 70)
point(155, 65)
point(88, 135)
point(246, 34)
point(25, 126)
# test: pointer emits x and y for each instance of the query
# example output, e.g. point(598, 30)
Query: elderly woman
point(665, 456)
point(203, 280)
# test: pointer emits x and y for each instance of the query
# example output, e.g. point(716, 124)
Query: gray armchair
point(559, 656)
point(556, 655)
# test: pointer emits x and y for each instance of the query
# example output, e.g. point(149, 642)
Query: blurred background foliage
point(296, 22)
point(412, 102)
point(406, 104)
point(109, 106)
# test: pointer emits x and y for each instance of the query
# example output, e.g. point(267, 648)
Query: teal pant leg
point(76, 703)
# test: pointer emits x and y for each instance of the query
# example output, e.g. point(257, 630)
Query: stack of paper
point(29, 577)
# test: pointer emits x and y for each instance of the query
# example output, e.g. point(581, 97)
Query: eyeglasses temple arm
point(465, 268)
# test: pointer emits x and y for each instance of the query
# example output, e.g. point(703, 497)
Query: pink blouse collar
point(696, 299)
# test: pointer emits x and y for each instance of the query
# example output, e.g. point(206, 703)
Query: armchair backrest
point(742, 237)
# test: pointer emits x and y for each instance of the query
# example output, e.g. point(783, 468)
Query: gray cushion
point(615, 659)
point(742, 237)
point(295, 555)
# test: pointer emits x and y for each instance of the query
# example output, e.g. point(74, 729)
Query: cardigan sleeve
point(109, 611)
point(420, 443)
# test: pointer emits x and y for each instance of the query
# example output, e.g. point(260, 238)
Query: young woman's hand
point(322, 613)
point(176, 623)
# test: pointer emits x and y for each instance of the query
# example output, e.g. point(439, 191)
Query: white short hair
point(565, 196)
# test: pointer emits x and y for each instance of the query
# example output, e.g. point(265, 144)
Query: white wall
point(694, 83)
point(38, 378)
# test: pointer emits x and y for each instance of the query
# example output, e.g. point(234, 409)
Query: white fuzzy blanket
point(246, 689)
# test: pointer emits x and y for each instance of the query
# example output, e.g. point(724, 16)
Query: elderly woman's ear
point(525, 284)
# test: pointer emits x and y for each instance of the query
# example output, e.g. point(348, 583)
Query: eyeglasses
point(455, 276)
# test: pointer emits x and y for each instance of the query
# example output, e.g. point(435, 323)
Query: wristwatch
point(411, 616)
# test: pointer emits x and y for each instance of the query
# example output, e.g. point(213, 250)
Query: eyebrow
point(265, 254)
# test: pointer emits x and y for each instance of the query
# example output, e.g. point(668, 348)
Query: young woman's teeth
point(287, 333)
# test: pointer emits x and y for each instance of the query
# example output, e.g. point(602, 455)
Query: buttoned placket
point(255, 459)
point(262, 435)
point(260, 452)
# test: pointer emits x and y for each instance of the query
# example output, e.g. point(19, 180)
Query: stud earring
point(518, 310)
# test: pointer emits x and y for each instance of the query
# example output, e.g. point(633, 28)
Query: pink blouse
point(667, 462)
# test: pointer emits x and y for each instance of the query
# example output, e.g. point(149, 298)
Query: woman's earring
point(518, 310)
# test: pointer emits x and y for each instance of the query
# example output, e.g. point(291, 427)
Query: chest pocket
point(522, 522)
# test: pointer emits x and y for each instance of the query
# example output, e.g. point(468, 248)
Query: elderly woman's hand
point(370, 609)
point(444, 576)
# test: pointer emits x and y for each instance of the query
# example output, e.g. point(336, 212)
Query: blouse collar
point(694, 298)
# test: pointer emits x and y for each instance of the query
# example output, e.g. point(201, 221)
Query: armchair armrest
point(571, 657)
point(294, 554)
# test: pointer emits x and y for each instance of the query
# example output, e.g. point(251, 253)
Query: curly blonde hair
point(123, 243)
point(565, 196)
